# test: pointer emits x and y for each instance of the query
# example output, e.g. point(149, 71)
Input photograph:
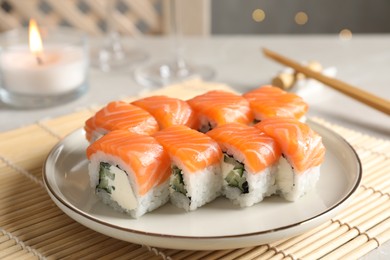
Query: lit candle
point(42, 69)
point(35, 41)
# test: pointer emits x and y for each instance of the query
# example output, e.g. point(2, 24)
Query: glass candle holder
point(57, 75)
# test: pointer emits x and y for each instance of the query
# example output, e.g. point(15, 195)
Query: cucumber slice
point(235, 178)
point(177, 182)
point(104, 176)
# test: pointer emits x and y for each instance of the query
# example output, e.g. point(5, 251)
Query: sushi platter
point(217, 225)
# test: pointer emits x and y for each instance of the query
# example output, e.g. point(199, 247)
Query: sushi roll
point(196, 172)
point(268, 101)
point(119, 115)
point(303, 153)
point(249, 165)
point(218, 107)
point(130, 172)
point(168, 111)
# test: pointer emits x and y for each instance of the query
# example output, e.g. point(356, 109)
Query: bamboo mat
point(32, 227)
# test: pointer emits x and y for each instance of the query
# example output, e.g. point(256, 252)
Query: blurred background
point(206, 16)
point(299, 16)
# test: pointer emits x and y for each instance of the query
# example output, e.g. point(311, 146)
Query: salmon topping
point(301, 146)
point(269, 101)
point(222, 107)
point(147, 159)
point(121, 115)
point(189, 148)
point(257, 149)
point(168, 111)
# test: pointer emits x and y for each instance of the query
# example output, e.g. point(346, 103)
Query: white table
point(363, 61)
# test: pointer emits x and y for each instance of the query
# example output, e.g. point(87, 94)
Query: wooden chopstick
point(365, 97)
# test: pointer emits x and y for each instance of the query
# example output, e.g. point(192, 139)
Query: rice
point(201, 186)
point(291, 185)
point(153, 199)
point(150, 201)
point(260, 185)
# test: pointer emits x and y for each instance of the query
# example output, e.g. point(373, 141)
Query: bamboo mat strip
point(15, 246)
point(358, 241)
point(300, 239)
point(33, 227)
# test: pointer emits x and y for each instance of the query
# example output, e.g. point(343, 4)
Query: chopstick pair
point(365, 97)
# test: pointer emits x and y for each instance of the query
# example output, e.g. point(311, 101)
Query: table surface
point(363, 61)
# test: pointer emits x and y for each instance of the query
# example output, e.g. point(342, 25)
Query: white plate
point(217, 225)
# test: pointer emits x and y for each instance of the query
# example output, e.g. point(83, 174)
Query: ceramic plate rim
point(90, 217)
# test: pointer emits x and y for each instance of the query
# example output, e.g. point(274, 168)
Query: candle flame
point(35, 40)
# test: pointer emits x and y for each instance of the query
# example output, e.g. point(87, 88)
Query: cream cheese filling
point(123, 194)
